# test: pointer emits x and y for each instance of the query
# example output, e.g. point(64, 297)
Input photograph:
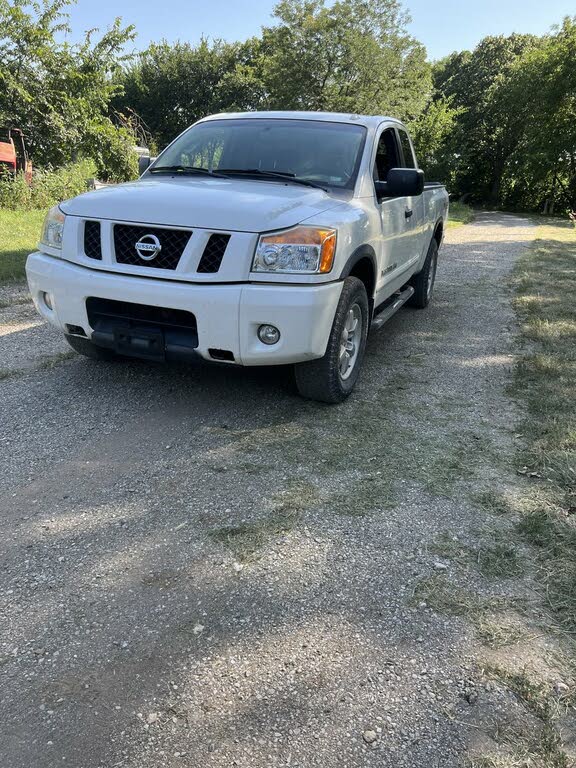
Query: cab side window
point(387, 155)
point(409, 160)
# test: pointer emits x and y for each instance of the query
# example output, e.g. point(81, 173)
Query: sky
point(442, 25)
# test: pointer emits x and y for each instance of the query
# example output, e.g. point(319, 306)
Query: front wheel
point(332, 378)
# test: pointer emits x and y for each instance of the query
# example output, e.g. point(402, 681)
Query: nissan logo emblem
point(148, 247)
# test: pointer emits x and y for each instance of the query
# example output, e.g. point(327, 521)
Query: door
point(397, 248)
point(416, 222)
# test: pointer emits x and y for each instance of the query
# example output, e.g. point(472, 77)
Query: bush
point(113, 152)
point(48, 186)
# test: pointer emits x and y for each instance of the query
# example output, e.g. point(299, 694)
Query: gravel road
point(200, 569)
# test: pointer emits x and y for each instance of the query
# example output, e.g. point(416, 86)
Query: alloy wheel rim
point(350, 341)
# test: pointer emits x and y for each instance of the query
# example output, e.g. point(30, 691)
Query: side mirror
point(144, 163)
point(401, 182)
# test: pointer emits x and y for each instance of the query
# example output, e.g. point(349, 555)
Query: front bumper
point(227, 316)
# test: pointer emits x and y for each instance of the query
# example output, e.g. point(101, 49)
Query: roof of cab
point(369, 121)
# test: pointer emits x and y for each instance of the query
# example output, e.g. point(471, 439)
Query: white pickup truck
point(265, 238)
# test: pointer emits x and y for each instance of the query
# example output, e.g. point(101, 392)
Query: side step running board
point(389, 309)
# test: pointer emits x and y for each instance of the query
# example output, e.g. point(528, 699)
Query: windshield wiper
point(283, 175)
point(186, 169)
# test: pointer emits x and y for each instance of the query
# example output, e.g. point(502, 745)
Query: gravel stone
point(115, 549)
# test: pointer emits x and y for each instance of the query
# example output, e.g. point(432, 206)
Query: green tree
point(350, 56)
point(172, 86)
point(60, 93)
point(540, 96)
point(432, 132)
point(485, 131)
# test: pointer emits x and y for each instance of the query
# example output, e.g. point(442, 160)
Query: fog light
point(268, 334)
point(47, 299)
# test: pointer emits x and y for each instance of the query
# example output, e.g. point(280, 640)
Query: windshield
point(312, 150)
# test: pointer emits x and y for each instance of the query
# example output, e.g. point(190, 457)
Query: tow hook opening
point(75, 330)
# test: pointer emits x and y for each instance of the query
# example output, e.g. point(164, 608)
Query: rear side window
point(409, 160)
point(387, 155)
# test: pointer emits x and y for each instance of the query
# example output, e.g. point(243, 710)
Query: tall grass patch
point(48, 187)
point(459, 214)
point(545, 379)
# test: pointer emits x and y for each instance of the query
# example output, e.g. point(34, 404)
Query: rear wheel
point(332, 378)
point(423, 282)
point(88, 349)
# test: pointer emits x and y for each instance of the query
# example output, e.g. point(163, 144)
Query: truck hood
point(230, 204)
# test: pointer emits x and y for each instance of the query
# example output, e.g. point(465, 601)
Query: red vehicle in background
point(13, 154)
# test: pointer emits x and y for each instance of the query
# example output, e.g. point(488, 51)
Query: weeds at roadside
point(459, 214)
point(499, 561)
point(536, 746)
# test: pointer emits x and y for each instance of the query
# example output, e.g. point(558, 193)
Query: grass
point(494, 501)
point(542, 748)
point(545, 501)
point(364, 496)
point(545, 381)
point(246, 539)
point(494, 558)
point(499, 561)
point(19, 233)
point(459, 214)
point(442, 596)
point(500, 633)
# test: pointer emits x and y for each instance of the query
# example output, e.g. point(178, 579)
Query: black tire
point(88, 349)
point(423, 282)
point(323, 379)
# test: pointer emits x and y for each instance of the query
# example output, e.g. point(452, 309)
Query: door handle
point(408, 213)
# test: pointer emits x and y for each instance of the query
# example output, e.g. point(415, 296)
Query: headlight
point(53, 228)
point(302, 249)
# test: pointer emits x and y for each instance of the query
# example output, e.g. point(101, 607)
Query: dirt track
point(201, 569)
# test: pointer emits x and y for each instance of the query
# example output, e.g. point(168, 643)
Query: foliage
point(496, 124)
point(431, 133)
point(482, 138)
point(513, 139)
point(541, 97)
point(350, 56)
point(48, 186)
point(171, 87)
point(459, 214)
point(57, 92)
point(112, 150)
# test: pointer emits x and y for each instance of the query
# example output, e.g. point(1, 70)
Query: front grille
point(173, 242)
point(213, 253)
point(92, 240)
point(137, 314)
